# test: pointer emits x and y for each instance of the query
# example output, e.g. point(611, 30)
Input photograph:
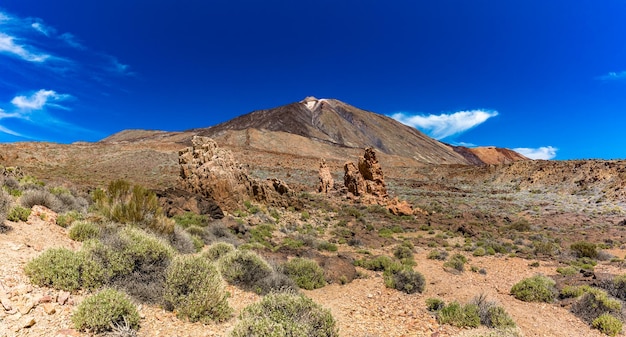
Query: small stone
point(67, 332)
point(49, 308)
point(370, 296)
point(24, 323)
point(45, 299)
point(63, 297)
point(6, 303)
point(27, 307)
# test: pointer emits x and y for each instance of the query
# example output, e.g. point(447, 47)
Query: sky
point(546, 78)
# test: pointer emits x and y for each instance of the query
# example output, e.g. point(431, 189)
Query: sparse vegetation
point(105, 310)
point(456, 262)
point(285, 315)
point(538, 288)
point(404, 279)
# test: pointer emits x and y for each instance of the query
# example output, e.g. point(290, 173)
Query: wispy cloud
point(25, 52)
point(544, 152)
point(613, 76)
point(33, 110)
point(446, 125)
point(39, 100)
point(32, 40)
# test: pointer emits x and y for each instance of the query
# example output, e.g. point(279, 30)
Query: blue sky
point(545, 77)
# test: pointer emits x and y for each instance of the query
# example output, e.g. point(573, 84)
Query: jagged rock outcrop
point(326, 178)
point(367, 183)
point(367, 180)
point(373, 175)
point(214, 173)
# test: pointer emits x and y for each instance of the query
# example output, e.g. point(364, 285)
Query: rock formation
point(367, 182)
point(176, 202)
point(326, 178)
point(214, 173)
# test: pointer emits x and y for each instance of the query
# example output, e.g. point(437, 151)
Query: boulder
point(175, 201)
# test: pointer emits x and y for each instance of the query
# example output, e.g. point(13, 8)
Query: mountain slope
point(338, 124)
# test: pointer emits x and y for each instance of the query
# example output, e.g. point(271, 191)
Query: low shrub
point(307, 274)
point(619, 287)
point(480, 251)
point(594, 303)
point(538, 288)
point(404, 254)
point(585, 249)
point(404, 279)
point(193, 288)
point(492, 315)
point(18, 213)
point(217, 250)
point(189, 219)
point(66, 219)
point(134, 261)
point(127, 204)
point(64, 269)
point(244, 268)
point(607, 324)
point(325, 245)
point(456, 262)
point(5, 205)
point(105, 310)
point(435, 304)
point(574, 291)
point(285, 315)
point(459, 315)
point(379, 263)
point(182, 241)
point(437, 254)
point(567, 271)
point(44, 198)
point(83, 230)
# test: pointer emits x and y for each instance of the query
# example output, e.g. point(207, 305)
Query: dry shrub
point(44, 198)
point(105, 310)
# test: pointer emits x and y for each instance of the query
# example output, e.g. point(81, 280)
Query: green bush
point(193, 288)
point(594, 303)
point(492, 315)
point(5, 204)
point(217, 250)
point(18, 213)
point(64, 269)
point(538, 288)
point(134, 261)
point(285, 314)
point(574, 291)
point(458, 315)
point(128, 204)
point(188, 219)
point(585, 249)
point(404, 279)
point(435, 304)
point(437, 254)
point(306, 273)
point(456, 262)
point(66, 219)
point(404, 254)
point(619, 287)
point(379, 263)
point(607, 324)
point(105, 310)
point(567, 271)
point(325, 245)
point(244, 268)
point(480, 251)
point(84, 230)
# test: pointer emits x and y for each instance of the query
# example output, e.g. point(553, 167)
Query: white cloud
point(8, 45)
point(38, 26)
point(446, 125)
point(613, 76)
point(38, 100)
point(544, 152)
